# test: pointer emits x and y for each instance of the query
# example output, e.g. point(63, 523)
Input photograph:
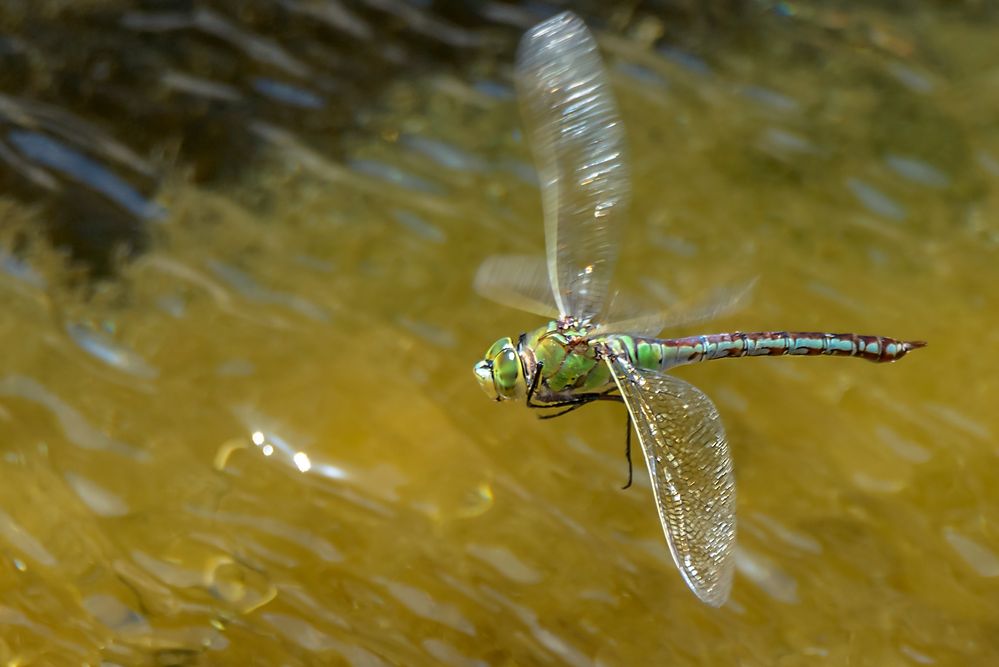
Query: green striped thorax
point(568, 363)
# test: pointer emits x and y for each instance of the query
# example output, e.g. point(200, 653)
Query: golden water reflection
point(264, 445)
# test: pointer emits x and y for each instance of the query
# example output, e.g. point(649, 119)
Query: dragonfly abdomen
point(665, 354)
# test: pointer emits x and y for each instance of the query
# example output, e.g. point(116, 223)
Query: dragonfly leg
point(577, 402)
point(627, 448)
point(580, 400)
point(534, 385)
point(573, 405)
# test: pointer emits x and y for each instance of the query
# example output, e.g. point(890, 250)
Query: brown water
point(263, 444)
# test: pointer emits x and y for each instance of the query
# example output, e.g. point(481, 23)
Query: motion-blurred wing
point(684, 444)
point(518, 281)
point(578, 143)
point(621, 318)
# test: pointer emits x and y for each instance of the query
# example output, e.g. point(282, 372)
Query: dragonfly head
point(500, 373)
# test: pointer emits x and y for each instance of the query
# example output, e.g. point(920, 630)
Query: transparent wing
point(578, 143)
point(518, 281)
point(719, 303)
point(684, 444)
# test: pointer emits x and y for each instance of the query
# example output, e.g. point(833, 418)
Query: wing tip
point(712, 593)
point(562, 18)
point(567, 22)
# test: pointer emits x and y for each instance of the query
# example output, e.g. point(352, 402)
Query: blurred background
point(238, 424)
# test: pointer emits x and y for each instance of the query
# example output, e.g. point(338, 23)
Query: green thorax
point(571, 360)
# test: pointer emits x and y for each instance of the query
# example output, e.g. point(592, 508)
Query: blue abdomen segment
point(664, 354)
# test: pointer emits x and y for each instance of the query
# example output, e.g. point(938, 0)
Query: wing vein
point(684, 445)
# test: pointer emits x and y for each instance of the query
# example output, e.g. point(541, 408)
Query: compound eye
point(506, 368)
point(497, 349)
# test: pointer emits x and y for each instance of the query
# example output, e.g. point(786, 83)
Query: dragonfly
point(581, 356)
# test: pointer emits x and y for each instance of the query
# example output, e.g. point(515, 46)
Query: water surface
point(260, 442)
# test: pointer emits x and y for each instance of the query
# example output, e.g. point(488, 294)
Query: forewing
point(620, 318)
point(578, 144)
point(518, 281)
point(684, 444)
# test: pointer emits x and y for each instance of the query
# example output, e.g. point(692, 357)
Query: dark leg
point(579, 400)
point(534, 383)
point(627, 449)
point(575, 403)
point(575, 400)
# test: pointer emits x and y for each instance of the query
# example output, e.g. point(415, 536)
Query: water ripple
point(982, 560)
point(250, 289)
point(76, 428)
point(686, 60)
point(494, 89)
point(911, 78)
point(199, 87)
point(876, 201)
point(505, 562)
point(770, 98)
point(100, 501)
point(236, 368)
point(305, 539)
point(781, 141)
point(545, 637)
point(917, 656)
point(289, 94)
point(903, 447)
point(333, 14)
point(172, 574)
point(643, 75)
point(766, 575)
point(959, 420)
point(427, 24)
point(394, 175)
point(53, 121)
point(791, 537)
point(917, 171)
point(307, 636)
point(446, 654)
point(432, 334)
point(419, 226)
point(989, 163)
point(20, 539)
point(112, 353)
point(443, 153)
point(425, 606)
point(253, 46)
point(115, 614)
point(873, 484)
point(55, 155)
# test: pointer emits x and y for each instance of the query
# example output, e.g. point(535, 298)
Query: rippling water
point(257, 439)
